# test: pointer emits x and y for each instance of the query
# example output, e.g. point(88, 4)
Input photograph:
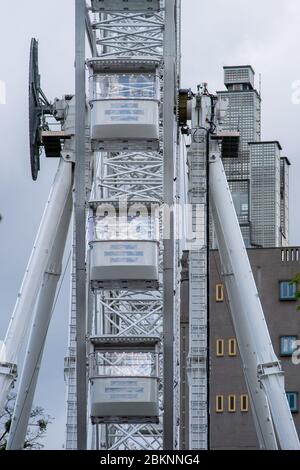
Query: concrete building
point(231, 421)
point(265, 195)
point(257, 172)
point(259, 183)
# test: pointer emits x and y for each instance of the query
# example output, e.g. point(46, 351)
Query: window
point(292, 398)
point(287, 290)
point(219, 293)
point(124, 364)
point(288, 344)
point(241, 203)
point(231, 403)
point(220, 347)
point(240, 196)
point(232, 347)
point(247, 241)
point(244, 403)
point(219, 404)
point(124, 85)
point(237, 87)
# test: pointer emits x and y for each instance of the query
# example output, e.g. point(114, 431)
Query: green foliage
point(296, 279)
point(42, 424)
point(37, 427)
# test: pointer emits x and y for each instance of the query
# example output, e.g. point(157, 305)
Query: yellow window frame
point(244, 406)
point(231, 401)
point(219, 403)
point(219, 292)
point(232, 347)
point(219, 347)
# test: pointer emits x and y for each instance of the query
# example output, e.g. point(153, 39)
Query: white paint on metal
point(263, 373)
point(24, 309)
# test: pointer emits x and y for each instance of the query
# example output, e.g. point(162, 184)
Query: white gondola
point(124, 380)
point(124, 100)
point(124, 245)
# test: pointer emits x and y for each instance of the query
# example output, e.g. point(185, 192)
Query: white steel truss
point(198, 278)
point(133, 175)
point(131, 316)
point(126, 34)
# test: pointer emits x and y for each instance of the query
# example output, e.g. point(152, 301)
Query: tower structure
point(122, 141)
point(244, 115)
point(258, 179)
point(134, 48)
point(265, 212)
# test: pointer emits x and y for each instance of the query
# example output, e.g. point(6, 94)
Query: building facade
point(257, 163)
point(259, 183)
point(265, 194)
point(231, 421)
point(284, 200)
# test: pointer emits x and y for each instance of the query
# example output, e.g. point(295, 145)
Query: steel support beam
point(90, 34)
point(263, 373)
point(80, 222)
point(35, 348)
point(169, 246)
point(23, 312)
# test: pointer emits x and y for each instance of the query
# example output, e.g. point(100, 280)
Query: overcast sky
point(264, 34)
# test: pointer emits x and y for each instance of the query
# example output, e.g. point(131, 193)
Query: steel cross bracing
point(126, 34)
point(133, 437)
point(135, 175)
point(125, 313)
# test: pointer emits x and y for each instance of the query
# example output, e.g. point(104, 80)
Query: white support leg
point(23, 312)
point(262, 369)
point(38, 334)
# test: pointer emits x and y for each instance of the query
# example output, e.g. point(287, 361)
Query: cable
point(61, 282)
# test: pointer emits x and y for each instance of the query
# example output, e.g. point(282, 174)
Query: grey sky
point(264, 34)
